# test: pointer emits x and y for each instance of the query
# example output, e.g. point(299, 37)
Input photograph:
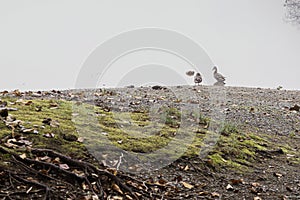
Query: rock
point(295, 108)
point(70, 137)
point(3, 103)
point(3, 112)
point(158, 87)
point(47, 121)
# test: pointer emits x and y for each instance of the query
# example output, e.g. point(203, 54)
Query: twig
point(120, 161)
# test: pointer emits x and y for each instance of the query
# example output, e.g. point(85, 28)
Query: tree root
point(36, 175)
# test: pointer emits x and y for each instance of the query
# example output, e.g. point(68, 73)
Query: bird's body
point(219, 77)
point(190, 73)
point(198, 78)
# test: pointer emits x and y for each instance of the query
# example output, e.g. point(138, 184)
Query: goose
point(198, 78)
point(219, 77)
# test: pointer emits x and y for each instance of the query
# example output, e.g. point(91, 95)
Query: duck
point(198, 78)
point(190, 73)
point(219, 77)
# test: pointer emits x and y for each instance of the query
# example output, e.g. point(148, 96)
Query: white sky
point(43, 44)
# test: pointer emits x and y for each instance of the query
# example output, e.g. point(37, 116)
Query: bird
point(219, 77)
point(198, 78)
point(190, 73)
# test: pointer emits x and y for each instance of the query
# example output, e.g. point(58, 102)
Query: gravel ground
point(266, 111)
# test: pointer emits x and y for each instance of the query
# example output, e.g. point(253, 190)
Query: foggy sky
point(43, 44)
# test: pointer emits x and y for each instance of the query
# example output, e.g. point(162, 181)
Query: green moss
point(136, 132)
point(253, 144)
point(228, 129)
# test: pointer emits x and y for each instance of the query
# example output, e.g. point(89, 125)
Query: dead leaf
point(128, 197)
point(187, 185)
point(255, 184)
point(95, 197)
point(29, 130)
point(17, 93)
point(117, 198)
point(56, 160)
point(116, 188)
point(80, 139)
point(53, 105)
point(237, 181)
point(215, 194)
point(23, 156)
point(113, 171)
point(64, 166)
point(229, 187)
point(278, 175)
point(49, 135)
point(203, 193)
point(257, 198)
point(45, 158)
point(186, 168)
point(54, 123)
point(28, 103)
point(162, 181)
point(79, 173)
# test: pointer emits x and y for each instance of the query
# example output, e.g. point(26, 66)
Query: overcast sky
point(44, 44)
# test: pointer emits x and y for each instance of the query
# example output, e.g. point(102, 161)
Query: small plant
point(171, 117)
point(204, 121)
point(228, 129)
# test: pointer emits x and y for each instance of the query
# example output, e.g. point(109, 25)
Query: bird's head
point(214, 68)
point(197, 74)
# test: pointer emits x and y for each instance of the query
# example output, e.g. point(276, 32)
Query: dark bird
point(190, 73)
point(198, 78)
point(219, 77)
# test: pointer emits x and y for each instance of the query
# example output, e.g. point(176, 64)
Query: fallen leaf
point(257, 198)
point(17, 93)
point(203, 193)
point(80, 139)
point(288, 188)
point(45, 158)
point(23, 156)
point(95, 197)
point(28, 103)
point(117, 198)
point(255, 184)
point(186, 168)
point(56, 160)
point(237, 181)
point(49, 135)
point(215, 194)
point(229, 187)
point(128, 197)
point(53, 105)
point(64, 166)
point(278, 175)
point(54, 124)
point(187, 185)
point(116, 188)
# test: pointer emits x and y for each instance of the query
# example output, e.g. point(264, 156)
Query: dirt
point(273, 173)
